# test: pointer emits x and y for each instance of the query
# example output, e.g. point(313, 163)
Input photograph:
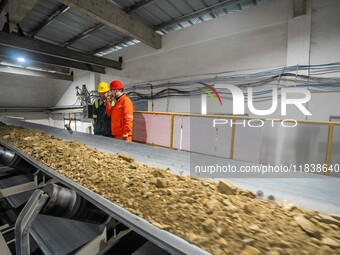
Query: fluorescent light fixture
point(21, 60)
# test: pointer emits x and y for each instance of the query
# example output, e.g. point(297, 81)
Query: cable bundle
point(312, 76)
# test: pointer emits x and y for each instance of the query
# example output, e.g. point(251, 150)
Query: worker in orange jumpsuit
point(121, 113)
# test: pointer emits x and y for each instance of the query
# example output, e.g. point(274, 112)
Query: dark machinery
point(18, 176)
point(66, 203)
point(62, 202)
point(102, 233)
point(12, 160)
point(58, 216)
point(86, 99)
point(18, 179)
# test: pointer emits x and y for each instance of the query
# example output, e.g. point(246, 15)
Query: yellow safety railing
point(234, 118)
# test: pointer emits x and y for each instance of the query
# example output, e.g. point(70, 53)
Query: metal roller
point(66, 203)
point(11, 159)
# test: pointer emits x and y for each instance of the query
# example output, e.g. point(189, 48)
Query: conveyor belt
point(321, 193)
point(177, 161)
point(61, 236)
point(53, 235)
point(167, 241)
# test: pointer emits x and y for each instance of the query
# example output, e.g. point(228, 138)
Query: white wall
point(27, 91)
point(325, 38)
point(258, 38)
point(325, 48)
point(81, 78)
point(250, 39)
point(324, 105)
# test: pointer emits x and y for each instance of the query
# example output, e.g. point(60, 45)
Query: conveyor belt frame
point(167, 241)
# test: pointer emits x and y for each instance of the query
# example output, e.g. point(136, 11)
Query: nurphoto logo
point(300, 97)
point(207, 90)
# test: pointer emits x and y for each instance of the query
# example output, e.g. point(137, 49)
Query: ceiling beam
point(112, 16)
point(41, 58)
point(32, 45)
point(139, 5)
point(19, 8)
point(24, 71)
point(51, 17)
point(35, 64)
point(64, 62)
point(197, 13)
point(83, 35)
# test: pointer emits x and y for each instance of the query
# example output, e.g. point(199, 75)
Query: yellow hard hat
point(103, 87)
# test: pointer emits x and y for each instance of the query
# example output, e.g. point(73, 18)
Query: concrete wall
point(325, 48)
point(81, 78)
point(263, 37)
point(27, 91)
point(250, 39)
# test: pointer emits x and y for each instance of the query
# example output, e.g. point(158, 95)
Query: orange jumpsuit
point(121, 118)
